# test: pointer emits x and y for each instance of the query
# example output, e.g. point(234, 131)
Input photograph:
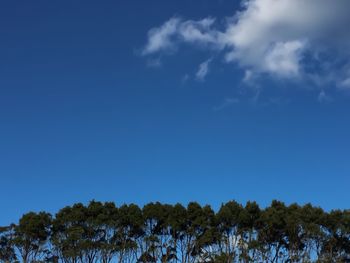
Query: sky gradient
point(89, 111)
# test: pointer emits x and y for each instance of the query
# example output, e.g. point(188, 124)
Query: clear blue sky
point(86, 114)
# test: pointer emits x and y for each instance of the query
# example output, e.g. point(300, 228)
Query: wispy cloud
point(176, 30)
point(345, 83)
point(185, 78)
point(159, 39)
point(154, 63)
point(203, 70)
point(283, 39)
point(226, 103)
point(324, 98)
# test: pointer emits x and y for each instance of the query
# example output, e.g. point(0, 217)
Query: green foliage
point(7, 251)
point(103, 232)
point(31, 235)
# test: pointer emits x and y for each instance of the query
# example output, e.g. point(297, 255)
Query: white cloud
point(284, 59)
point(266, 36)
point(159, 39)
point(248, 76)
point(345, 84)
point(198, 32)
point(203, 70)
point(175, 30)
point(344, 81)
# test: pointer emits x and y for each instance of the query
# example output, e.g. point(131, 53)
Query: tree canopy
point(156, 232)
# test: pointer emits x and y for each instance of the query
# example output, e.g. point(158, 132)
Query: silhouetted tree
point(103, 233)
point(31, 236)
point(228, 219)
point(7, 251)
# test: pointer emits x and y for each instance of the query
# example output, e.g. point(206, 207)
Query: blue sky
point(103, 100)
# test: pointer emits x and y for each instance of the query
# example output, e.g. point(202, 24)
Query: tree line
point(103, 232)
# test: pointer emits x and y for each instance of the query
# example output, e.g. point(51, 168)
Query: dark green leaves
point(103, 232)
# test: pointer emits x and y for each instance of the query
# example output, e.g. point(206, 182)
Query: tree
point(105, 218)
point(248, 228)
point(69, 232)
point(102, 232)
point(337, 245)
point(296, 238)
point(178, 230)
point(312, 219)
point(273, 231)
point(7, 251)
point(227, 224)
point(129, 233)
point(31, 235)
